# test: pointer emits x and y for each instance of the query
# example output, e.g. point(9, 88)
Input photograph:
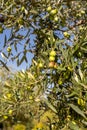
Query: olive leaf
point(73, 126)
point(77, 110)
point(50, 105)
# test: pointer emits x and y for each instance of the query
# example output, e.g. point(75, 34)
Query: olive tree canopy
point(55, 31)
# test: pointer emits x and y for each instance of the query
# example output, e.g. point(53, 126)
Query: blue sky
point(10, 63)
point(24, 65)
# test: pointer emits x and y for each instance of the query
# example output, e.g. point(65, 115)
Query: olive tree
point(55, 32)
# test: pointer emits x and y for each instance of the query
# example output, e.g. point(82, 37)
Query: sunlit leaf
point(50, 105)
point(81, 74)
point(73, 126)
point(4, 55)
point(77, 110)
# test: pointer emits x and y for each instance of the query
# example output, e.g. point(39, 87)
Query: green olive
point(9, 49)
point(60, 82)
point(82, 12)
point(51, 58)
point(79, 54)
point(56, 19)
point(66, 34)
point(53, 12)
point(40, 65)
point(70, 68)
point(49, 8)
point(53, 53)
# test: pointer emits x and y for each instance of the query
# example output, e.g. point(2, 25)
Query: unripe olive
point(40, 65)
point(66, 34)
point(30, 97)
point(79, 54)
point(9, 49)
point(53, 53)
point(56, 19)
point(70, 68)
point(82, 12)
point(49, 8)
point(53, 12)
point(5, 117)
point(51, 58)
point(10, 111)
point(60, 82)
point(81, 102)
point(22, 8)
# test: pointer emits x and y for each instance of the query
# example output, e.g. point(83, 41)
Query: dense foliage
point(52, 93)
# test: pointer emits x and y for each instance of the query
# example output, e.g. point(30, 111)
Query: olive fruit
point(66, 34)
point(53, 53)
point(81, 102)
point(53, 12)
point(10, 111)
point(51, 64)
point(60, 82)
point(9, 49)
point(40, 65)
point(22, 8)
point(82, 12)
point(56, 19)
point(5, 117)
point(49, 9)
point(51, 58)
point(79, 54)
point(30, 97)
point(70, 68)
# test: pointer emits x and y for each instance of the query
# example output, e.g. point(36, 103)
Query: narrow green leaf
point(4, 65)
point(50, 105)
point(81, 74)
point(26, 59)
point(84, 49)
point(33, 11)
point(73, 126)
point(77, 110)
point(75, 48)
point(84, 43)
point(5, 41)
point(15, 46)
point(17, 62)
point(71, 95)
point(4, 55)
point(22, 59)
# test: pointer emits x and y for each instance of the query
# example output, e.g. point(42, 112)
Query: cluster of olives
point(52, 61)
point(52, 56)
point(53, 13)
